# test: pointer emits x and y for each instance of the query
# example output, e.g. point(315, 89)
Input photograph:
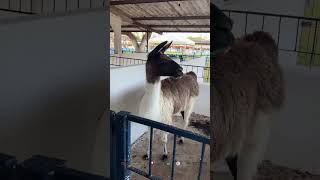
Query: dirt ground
point(188, 155)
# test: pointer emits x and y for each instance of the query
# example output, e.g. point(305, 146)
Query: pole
point(147, 41)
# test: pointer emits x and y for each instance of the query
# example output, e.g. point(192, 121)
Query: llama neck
point(154, 89)
point(152, 79)
point(151, 74)
point(150, 104)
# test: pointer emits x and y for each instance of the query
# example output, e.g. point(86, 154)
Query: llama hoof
point(145, 157)
point(164, 157)
point(181, 141)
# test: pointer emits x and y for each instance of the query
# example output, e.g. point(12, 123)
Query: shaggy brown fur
point(180, 90)
point(246, 80)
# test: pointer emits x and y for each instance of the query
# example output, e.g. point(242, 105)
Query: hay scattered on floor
point(269, 170)
point(200, 122)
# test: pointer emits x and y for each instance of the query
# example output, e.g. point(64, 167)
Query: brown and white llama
point(164, 98)
point(247, 92)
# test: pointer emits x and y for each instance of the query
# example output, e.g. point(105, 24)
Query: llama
point(247, 92)
point(164, 98)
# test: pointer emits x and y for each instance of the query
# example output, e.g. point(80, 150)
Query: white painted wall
point(294, 135)
point(53, 89)
point(202, 106)
point(127, 89)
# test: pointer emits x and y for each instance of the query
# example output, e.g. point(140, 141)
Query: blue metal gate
point(121, 156)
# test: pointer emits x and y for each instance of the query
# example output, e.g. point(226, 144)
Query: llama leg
point(146, 156)
point(182, 113)
point(232, 165)
point(251, 153)
point(186, 117)
point(247, 163)
point(164, 142)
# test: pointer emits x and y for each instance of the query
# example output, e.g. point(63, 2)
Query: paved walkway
point(195, 62)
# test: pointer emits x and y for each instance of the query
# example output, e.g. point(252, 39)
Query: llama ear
point(158, 48)
point(166, 47)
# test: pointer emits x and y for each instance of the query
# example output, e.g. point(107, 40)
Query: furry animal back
point(179, 91)
point(247, 89)
point(168, 96)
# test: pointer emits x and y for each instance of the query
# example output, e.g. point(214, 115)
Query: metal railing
point(202, 72)
point(292, 33)
point(125, 61)
point(121, 145)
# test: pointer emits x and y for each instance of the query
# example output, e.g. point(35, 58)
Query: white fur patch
point(253, 147)
point(150, 103)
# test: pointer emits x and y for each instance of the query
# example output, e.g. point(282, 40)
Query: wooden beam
point(125, 17)
point(181, 31)
point(146, 27)
point(126, 2)
point(170, 26)
point(119, 12)
point(179, 14)
point(16, 11)
point(171, 18)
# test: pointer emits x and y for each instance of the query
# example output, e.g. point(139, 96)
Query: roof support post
point(147, 41)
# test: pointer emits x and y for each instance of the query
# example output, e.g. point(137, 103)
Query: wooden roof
point(163, 15)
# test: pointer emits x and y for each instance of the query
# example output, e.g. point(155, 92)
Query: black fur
point(221, 26)
point(232, 164)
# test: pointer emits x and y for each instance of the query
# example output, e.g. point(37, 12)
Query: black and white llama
point(164, 98)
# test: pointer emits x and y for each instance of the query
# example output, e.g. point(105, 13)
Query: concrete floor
point(188, 154)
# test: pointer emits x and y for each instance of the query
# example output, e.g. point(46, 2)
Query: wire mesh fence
point(293, 34)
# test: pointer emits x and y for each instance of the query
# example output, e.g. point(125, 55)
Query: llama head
point(159, 64)
point(221, 27)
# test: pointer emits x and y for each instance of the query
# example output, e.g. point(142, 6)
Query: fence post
point(123, 145)
point(114, 154)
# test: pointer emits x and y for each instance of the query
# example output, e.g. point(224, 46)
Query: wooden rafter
point(126, 17)
point(188, 31)
point(170, 26)
point(126, 2)
point(175, 10)
point(171, 18)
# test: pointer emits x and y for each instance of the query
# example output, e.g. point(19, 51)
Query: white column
point(115, 22)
